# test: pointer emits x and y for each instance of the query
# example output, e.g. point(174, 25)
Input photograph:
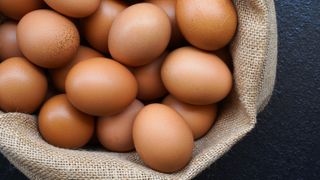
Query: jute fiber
point(254, 52)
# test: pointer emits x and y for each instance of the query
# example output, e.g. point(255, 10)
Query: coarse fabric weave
point(254, 52)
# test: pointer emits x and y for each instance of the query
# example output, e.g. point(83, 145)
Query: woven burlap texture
point(254, 52)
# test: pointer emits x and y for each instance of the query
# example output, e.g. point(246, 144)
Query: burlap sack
point(254, 52)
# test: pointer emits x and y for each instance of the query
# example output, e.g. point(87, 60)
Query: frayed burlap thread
point(254, 52)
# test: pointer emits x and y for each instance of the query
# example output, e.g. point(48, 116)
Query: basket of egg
point(101, 89)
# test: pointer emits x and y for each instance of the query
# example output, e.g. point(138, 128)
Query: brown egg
point(199, 118)
point(101, 86)
point(95, 28)
point(23, 85)
point(8, 41)
point(162, 138)
point(150, 85)
point(59, 75)
point(62, 125)
point(139, 34)
point(196, 77)
point(115, 132)
point(74, 8)
point(207, 24)
point(169, 6)
point(15, 9)
point(47, 38)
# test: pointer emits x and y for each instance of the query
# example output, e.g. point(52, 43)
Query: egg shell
point(150, 85)
point(62, 125)
point(8, 41)
point(207, 24)
point(47, 38)
point(74, 8)
point(95, 27)
point(115, 132)
point(59, 75)
point(16, 9)
point(196, 77)
point(169, 6)
point(139, 34)
point(199, 118)
point(101, 86)
point(23, 85)
point(162, 138)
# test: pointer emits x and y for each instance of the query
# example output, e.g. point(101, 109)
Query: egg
point(169, 6)
point(115, 132)
point(196, 77)
point(16, 9)
point(23, 86)
point(74, 8)
point(8, 41)
point(199, 118)
point(62, 125)
point(95, 28)
point(59, 75)
point(47, 38)
point(162, 138)
point(207, 24)
point(139, 34)
point(100, 86)
point(150, 85)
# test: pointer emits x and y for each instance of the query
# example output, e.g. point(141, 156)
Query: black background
point(286, 141)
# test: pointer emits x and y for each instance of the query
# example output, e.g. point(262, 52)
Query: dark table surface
point(286, 141)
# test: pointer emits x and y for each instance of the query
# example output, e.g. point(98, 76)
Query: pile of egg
point(144, 76)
